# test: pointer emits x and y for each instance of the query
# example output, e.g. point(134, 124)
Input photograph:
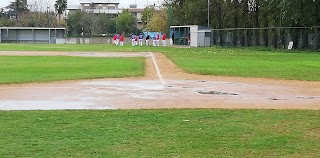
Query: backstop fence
point(276, 37)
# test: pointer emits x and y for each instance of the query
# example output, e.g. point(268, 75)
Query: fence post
point(275, 38)
point(317, 38)
point(283, 38)
point(235, 38)
point(221, 33)
point(257, 37)
point(266, 37)
point(248, 34)
point(214, 37)
point(304, 38)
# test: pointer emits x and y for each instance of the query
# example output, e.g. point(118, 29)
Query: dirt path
point(177, 90)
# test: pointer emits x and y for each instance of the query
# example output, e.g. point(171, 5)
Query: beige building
point(110, 7)
point(137, 14)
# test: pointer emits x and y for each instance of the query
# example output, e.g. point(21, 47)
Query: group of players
point(118, 40)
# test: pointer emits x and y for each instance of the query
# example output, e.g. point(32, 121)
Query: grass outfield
point(23, 69)
point(248, 63)
point(160, 133)
point(257, 63)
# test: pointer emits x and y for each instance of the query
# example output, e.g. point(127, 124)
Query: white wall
point(194, 36)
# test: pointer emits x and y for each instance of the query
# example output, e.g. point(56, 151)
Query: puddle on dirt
point(312, 98)
point(129, 85)
point(216, 93)
point(112, 94)
point(276, 99)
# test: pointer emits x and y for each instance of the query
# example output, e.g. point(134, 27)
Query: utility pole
point(208, 13)
point(169, 15)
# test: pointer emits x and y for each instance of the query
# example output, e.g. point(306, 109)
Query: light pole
point(208, 13)
point(169, 15)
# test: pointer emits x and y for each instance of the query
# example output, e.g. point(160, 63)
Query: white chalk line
point(157, 69)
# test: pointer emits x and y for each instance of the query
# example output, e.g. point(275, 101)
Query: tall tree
point(147, 15)
point(125, 22)
point(159, 22)
point(16, 8)
point(111, 26)
point(60, 6)
point(75, 24)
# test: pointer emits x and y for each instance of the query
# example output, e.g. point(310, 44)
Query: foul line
point(157, 68)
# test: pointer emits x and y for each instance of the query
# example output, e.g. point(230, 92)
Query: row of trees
point(247, 13)
point(253, 14)
point(83, 23)
point(37, 14)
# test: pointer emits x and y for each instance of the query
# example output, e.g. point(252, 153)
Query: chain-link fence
point(276, 37)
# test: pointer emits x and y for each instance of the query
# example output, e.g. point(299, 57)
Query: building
point(32, 35)
point(109, 7)
point(137, 14)
point(199, 36)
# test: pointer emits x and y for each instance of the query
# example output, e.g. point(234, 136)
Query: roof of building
point(32, 28)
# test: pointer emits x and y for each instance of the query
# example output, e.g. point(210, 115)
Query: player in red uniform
point(164, 37)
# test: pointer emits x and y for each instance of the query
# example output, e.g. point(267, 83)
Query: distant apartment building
point(137, 14)
point(109, 7)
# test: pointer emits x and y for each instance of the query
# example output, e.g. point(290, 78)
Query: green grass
point(160, 133)
point(23, 69)
point(249, 62)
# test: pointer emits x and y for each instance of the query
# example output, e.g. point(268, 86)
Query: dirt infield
point(163, 86)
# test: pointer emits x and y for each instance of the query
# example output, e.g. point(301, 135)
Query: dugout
point(32, 35)
point(199, 36)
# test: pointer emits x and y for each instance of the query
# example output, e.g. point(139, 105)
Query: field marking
point(157, 69)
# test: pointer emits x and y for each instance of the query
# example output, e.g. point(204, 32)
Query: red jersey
point(164, 37)
point(158, 37)
point(115, 37)
point(121, 38)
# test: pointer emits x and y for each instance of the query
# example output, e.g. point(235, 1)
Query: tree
point(111, 26)
point(38, 19)
point(125, 22)
point(147, 15)
point(102, 24)
point(16, 8)
point(159, 22)
point(7, 22)
point(60, 6)
point(75, 28)
point(2, 13)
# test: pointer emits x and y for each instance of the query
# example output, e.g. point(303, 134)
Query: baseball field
point(109, 101)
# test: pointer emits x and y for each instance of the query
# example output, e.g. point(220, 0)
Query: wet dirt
point(177, 89)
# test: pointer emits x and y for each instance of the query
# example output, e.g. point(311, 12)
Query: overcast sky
point(123, 3)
